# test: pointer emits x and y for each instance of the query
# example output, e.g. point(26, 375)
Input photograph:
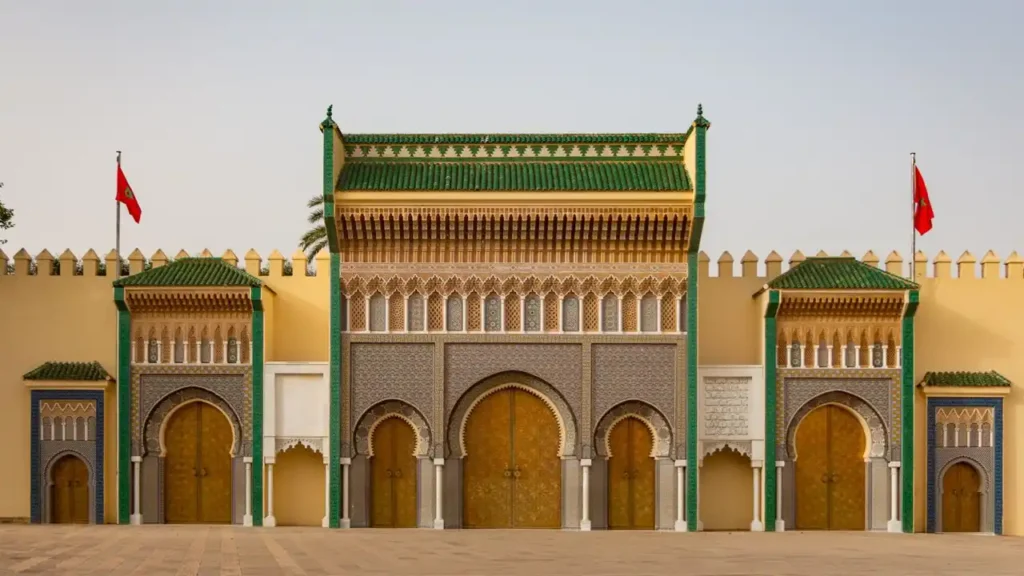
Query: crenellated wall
point(62, 309)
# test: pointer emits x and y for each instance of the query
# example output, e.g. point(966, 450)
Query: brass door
point(70, 497)
point(197, 467)
point(536, 464)
point(961, 499)
point(830, 446)
point(512, 474)
point(393, 468)
point(630, 477)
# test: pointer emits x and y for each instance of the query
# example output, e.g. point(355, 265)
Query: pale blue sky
point(815, 107)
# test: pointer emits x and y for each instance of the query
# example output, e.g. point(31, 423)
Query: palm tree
point(315, 239)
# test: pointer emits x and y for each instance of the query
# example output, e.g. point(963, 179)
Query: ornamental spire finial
point(330, 110)
point(700, 111)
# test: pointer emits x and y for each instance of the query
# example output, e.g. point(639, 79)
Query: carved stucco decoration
point(726, 406)
point(636, 372)
point(391, 371)
point(558, 366)
point(563, 415)
point(877, 436)
point(875, 388)
point(520, 284)
point(368, 422)
point(655, 421)
point(283, 444)
point(156, 418)
point(744, 447)
point(151, 383)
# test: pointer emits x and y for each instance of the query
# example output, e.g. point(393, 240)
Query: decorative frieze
point(726, 407)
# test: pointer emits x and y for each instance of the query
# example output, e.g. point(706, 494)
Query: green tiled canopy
point(838, 273)
point(617, 176)
point(192, 272)
point(76, 371)
point(966, 379)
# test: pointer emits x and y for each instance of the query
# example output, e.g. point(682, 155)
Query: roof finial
point(700, 110)
point(330, 110)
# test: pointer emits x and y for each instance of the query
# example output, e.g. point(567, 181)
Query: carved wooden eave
point(506, 284)
point(187, 300)
point(613, 229)
point(880, 305)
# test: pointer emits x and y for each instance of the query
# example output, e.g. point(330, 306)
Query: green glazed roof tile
point(513, 138)
point(965, 379)
point(77, 371)
point(191, 272)
point(837, 273)
point(515, 176)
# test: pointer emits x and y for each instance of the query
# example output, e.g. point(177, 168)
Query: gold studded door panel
point(846, 463)
point(382, 470)
point(619, 468)
point(642, 475)
point(536, 464)
point(487, 465)
point(215, 438)
point(812, 473)
point(181, 466)
point(79, 492)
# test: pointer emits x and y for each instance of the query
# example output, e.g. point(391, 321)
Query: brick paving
point(217, 550)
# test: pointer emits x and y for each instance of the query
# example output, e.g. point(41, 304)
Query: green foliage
point(6, 217)
point(315, 239)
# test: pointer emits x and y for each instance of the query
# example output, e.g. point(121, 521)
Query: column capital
point(438, 461)
point(586, 462)
point(680, 463)
point(895, 464)
point(269, 459)
point(247, 459)
point(136, 458)
point(757, 463)
point(780, 464)
point(346, 461)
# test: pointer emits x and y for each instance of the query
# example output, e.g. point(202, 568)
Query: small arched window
point(453, 314)
point(823, 354)
point(571, 314)
point(532, 322)
point(796, 355)
point(232, 349)
point(610, 313)
point(649, 317)
point(378, 313)
point(205, 349)
point(46, 429)
point(877, 355)
point(80, 429)
point(414, 313)
point(851, 354)
point(153, 354)
point(492, 313)
point(179, 347)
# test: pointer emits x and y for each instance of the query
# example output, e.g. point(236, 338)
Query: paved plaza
point(215, 550)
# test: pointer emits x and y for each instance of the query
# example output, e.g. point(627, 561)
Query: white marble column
point(136, 518)
point(885, 356)
point(269, 521)
point(585, 523)
point(438, 493)
point(756, 525)
point(680, 524)
point(780, 524)
point(346, 463)
point(145, 351)
point(326, 521)
point(856, 356)
point(247, 519)
point(894, 498)
point(831, 357)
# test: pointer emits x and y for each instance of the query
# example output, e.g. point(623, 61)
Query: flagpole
point(913, 215)
point(117, 235)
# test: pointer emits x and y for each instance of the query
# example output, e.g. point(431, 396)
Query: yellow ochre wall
point(972, 322)
point(71, 318)
point(970, 318)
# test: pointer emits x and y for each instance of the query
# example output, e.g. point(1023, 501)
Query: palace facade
point(514, 331)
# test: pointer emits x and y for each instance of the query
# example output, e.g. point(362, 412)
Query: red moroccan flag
point(126, 196)
point(923, 212)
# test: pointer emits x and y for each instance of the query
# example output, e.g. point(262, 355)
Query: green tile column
point(771, 480)
point(328, 129)
point(907, 417)
point(124, 407)
point(256, 295)
point(700, 126)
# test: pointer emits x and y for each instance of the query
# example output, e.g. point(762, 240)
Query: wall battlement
point(67, 264)
point(940, 267)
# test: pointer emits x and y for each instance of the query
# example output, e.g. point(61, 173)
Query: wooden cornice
point(185, 300)
point(874, 305)
point(513, 234)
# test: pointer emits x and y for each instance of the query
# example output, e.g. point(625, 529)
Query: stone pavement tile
point(235, 551)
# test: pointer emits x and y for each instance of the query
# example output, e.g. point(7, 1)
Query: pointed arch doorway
point(70, 491)
point(197, 470)
point(630, 476)
point(830, 485)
